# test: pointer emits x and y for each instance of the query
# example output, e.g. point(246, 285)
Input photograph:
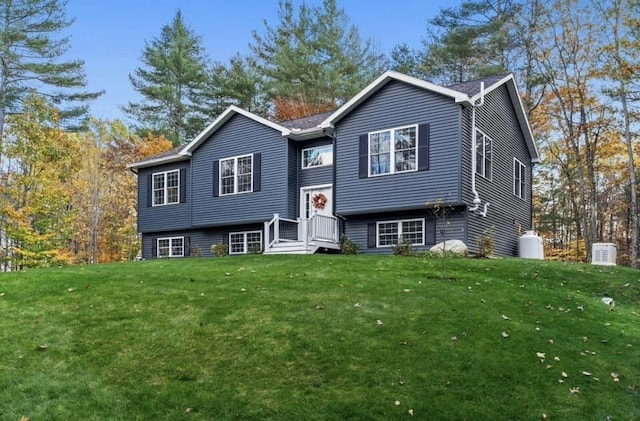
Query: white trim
point(392, 150)
point(156, 161)
point(171, 239)
point(523, 179)
point(399, 222)
point(245, 245)
point(235, 174)
point(329, 146)
point(166, 195)
point(385, 78)
point(316, 187)
point(223, 118)
point(483, 174)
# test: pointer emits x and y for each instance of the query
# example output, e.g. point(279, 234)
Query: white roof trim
point(157, 161)
point(379, 83)
point(223, 118)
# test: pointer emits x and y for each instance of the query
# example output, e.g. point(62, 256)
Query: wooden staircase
point(301, 236)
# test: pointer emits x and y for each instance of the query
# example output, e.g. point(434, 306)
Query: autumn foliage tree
point(36, 209)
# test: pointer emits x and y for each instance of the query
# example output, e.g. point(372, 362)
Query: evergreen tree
point(476, 39)
point(314, 58)
point(172, 82)
point(31, 53)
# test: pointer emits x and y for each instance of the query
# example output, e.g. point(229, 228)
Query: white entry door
point(316, 198)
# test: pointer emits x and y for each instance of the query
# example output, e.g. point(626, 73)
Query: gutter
point(474, 141)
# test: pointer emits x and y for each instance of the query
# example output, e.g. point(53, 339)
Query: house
point(404, 159)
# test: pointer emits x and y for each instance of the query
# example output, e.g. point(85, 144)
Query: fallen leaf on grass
point(551, 341)
point(379, 322)
point(505, 335)
point(556, 358)
point(541, 355)
point(24, 418)
point(411, 412)
point(574, 390)
point(319, 306)
point(42, 347)
point(70, 289)
point(188, 410)
point(615, 377)
point(564, 374)
point(586, 373)
point(407, 290)
point(397, 403)
point(505, 317)
point(357, 305)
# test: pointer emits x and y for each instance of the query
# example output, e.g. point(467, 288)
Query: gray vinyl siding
point(398, 104)
point(201, 239)
point(314, 176)
point(165, 217)
point(508, 215)
point(293, 162)
point(453, 227)
point(239, 136)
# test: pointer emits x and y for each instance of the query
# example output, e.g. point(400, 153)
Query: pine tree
point(172, 82)
point(314, 57)
point(31, 51)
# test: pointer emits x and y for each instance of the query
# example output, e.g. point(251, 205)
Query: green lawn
point(320, 337)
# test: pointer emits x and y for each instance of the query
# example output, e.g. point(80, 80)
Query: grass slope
point(320, 337)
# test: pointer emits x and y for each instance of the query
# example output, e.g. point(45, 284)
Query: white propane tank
point(531, 246)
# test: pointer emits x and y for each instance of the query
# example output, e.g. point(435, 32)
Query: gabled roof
point(467, 93)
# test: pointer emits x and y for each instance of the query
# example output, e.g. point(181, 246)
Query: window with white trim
point(484, 154)
point(393, 151)
point(519, 178)
point(319, 156)
point(236, 175)
point(245, 242)
point(389, 233)
point(166, 188)
point(170, 247)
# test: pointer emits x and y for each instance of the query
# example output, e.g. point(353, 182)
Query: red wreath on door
point(319, 200)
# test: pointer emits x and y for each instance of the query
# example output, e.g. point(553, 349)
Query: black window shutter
point(183, 185)
point(150, 190)
point(363, 143)
point(225, 237)
point(423, 147)
point(371, 235)
point(430, 231)
point(187, 246)
point(257, 170)
point(216, 178)
point(154, 248)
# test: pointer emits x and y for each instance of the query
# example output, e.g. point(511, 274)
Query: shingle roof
point(306, 122)
point(472, 87)
point(171, 152)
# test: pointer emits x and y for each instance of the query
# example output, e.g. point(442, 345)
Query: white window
point(484, 159)
point(245, 242)
point(519, 179)
point(317, 157)
point(170, 247)
point(236, 175)
point(389, 233)
point(166, 188)
point(393, 151)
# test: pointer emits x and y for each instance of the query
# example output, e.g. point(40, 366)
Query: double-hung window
point(236, 175)
point(519, 178)
point(166, 188)
point(484, 157)
point(390, 233)
point(393, 151)
point(245, 242)
point(171, 247)
point(319, 156)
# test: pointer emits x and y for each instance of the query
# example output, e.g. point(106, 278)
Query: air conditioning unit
point(603, 254)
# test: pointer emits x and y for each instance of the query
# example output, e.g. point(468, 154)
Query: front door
point(317, 198)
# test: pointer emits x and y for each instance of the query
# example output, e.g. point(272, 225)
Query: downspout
point(476, 196)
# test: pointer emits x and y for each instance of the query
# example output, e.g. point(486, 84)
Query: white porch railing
point(316, 228)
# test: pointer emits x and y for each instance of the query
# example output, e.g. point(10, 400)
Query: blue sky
point(110, 35)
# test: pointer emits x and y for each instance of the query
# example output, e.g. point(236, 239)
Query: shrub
point(255, 249)
point(403, 248)
point(348, 246)
point(220, 250)
point(486, 243)
point(196, 251)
